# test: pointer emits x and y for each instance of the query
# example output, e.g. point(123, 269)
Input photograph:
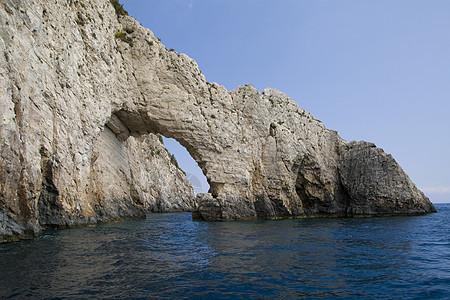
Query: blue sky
point(372, 70)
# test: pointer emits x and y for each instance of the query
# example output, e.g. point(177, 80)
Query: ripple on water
point(170, 256)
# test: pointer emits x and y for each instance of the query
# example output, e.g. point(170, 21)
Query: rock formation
point(84, 93)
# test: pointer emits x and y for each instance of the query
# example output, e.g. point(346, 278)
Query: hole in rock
point(188, 165)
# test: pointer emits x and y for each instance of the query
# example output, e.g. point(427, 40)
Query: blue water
point(169, 256)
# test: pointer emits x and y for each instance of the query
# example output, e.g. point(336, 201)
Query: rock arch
point(82, 108)
point(248, 144)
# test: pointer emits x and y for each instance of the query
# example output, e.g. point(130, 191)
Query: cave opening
point(185, 161)
point(124, 123)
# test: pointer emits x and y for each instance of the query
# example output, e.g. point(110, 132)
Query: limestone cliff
point(65, 157)
point(84, 91)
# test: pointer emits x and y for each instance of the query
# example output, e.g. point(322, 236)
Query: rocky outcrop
point(65, 157)
point(376, 184)
point(84, 93)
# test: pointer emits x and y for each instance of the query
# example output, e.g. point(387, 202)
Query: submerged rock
point(84, 93)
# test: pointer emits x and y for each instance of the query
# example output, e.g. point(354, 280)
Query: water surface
point(169, 256)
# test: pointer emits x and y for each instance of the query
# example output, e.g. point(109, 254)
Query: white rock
point(80, 108)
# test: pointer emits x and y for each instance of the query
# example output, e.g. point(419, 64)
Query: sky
point(372, 70)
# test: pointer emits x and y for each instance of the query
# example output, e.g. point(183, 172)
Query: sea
point(169, 256)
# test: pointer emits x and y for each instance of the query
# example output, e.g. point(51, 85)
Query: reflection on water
point(169, 256)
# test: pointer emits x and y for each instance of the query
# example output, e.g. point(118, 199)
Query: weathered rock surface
point(84, 93)
point(65, 157)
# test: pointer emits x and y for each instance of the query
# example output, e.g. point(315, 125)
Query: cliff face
point(65, 157)
point(84, 93)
